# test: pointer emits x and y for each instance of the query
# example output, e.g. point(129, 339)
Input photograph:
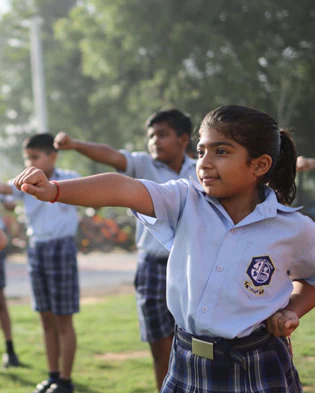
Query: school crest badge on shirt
point(260, 272)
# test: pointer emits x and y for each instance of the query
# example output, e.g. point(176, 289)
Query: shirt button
point(219, 268)
point(204, 309)
point(233, 230)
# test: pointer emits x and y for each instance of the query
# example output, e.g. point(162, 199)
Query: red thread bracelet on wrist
point(288, 309)
point(58, 191)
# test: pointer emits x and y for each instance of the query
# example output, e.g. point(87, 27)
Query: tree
point(110, 64)
point(197, 55)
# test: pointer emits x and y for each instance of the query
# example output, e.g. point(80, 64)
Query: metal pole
point(38, 78)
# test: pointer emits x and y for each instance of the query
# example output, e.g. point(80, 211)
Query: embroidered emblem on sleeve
point(260, 272)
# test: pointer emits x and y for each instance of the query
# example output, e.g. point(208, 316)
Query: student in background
point(305, 164)
point(168, 134)
point(236, 247)
point(52, 260)
point(9, 358)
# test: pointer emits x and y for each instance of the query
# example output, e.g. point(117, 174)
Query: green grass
point(304, 351)
point(111, 327)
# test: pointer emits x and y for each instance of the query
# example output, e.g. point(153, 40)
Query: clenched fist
point(63, 141)
point(33, 181)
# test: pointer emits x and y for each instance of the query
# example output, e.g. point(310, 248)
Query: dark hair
point(180, 122)
point(43, 142)
point(259, 134)
point(191, 149)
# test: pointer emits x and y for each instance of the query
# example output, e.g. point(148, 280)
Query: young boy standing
point(168, 135)
point(9, 358)
point(52, 259)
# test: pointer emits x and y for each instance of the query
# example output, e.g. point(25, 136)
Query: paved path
point(99, 273)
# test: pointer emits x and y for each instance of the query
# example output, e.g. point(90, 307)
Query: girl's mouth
point(208, 180)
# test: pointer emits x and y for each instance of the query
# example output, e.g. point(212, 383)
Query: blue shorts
point(54, 277)
point(2, 269)
point(156, 322)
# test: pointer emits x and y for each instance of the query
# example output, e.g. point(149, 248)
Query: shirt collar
point(266, 209)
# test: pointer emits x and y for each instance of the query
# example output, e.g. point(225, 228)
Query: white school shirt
point(224, 279)
point(140, 165)
point(47, 221)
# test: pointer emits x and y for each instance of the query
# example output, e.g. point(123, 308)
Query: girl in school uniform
point(235, 249)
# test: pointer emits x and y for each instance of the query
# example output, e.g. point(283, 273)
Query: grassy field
point(110, 356)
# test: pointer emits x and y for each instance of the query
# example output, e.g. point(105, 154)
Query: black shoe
point(57, 388)
point(10, 360)
point(42, 387)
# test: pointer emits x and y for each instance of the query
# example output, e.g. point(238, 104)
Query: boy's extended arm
point(102, 153)
point(285, 321)
point(304, 164)
point(3, 240)
point(108, 189)
point(5, 189)
point(9, 205)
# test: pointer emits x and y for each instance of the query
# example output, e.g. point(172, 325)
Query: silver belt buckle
point(202, 348)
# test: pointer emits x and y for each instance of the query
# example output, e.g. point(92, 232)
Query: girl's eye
point(220, 151)
point(199, 153)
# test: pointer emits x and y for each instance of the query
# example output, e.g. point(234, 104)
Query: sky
point(4, 5)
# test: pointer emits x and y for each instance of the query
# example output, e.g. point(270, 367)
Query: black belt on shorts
point(158, 260)
point(221, 349)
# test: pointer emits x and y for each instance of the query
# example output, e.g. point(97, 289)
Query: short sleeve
point(136, 164)
point(169, 200)
point(16, 194)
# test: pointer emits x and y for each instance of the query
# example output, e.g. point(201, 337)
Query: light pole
point(38, 78)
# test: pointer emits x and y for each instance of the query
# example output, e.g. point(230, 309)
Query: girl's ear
point(262, 165)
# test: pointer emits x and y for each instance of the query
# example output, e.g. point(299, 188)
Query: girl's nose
point(205, 162)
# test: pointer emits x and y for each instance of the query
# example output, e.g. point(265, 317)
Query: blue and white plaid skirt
point(259, 363)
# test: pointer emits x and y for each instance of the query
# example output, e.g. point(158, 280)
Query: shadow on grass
point(30, 385)
point(20, 380)
point(80, 388)
point(22, 365)
point(104, 366)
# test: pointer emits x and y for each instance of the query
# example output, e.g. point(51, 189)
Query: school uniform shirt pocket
point(255, 274)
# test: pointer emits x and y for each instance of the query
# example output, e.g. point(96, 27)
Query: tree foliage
point(110, 64)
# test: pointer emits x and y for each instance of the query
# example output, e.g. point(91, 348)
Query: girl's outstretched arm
point(108, 189)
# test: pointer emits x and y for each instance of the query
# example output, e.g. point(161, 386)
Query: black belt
point(158, 260)
point(162, 260)
point(221, 349)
